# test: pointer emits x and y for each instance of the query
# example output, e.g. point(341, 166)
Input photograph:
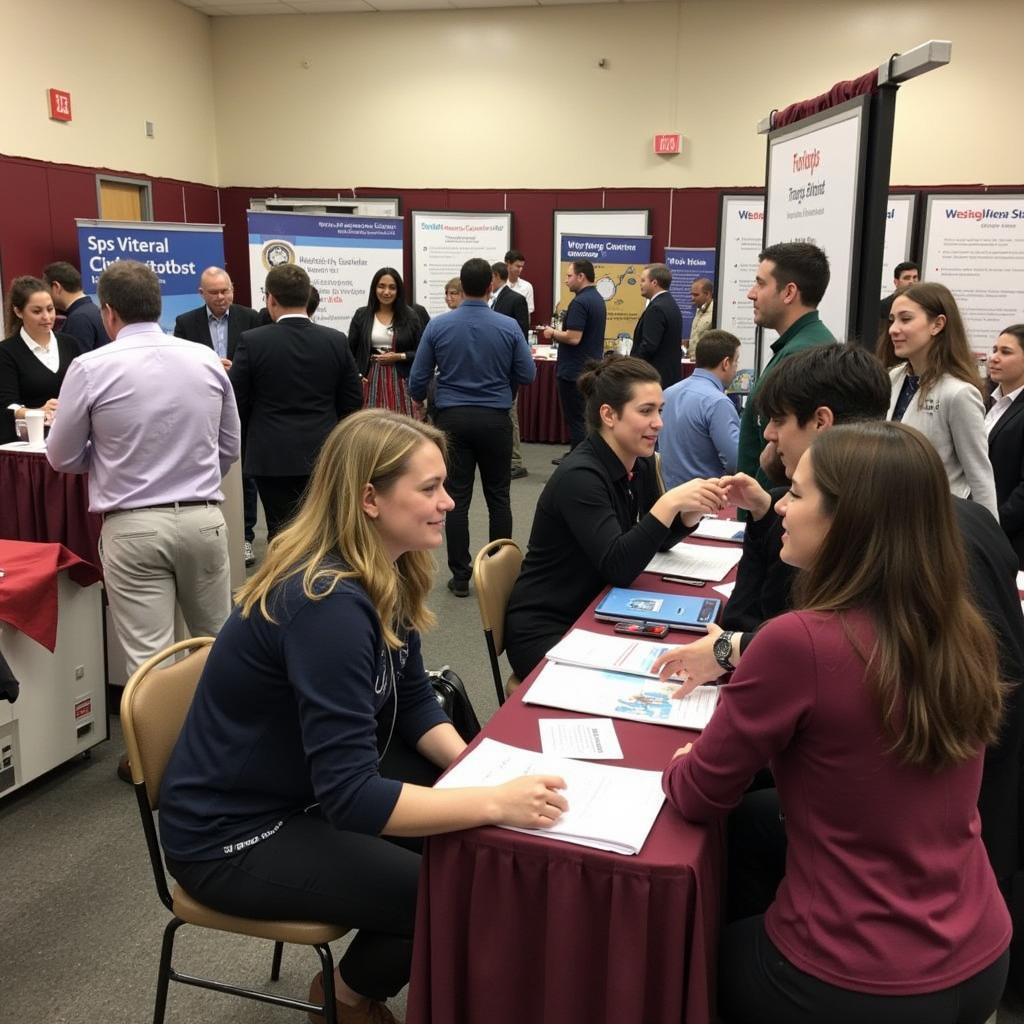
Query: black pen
point(689, 581)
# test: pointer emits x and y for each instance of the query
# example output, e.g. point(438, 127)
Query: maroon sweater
point(888, 889)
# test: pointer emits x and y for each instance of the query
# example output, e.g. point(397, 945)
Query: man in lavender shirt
point(152, 420)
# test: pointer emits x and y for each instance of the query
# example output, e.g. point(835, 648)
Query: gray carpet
point(80, 922)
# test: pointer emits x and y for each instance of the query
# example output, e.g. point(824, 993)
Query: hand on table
point(49, 411)
point(533, 801)
point(695, 662)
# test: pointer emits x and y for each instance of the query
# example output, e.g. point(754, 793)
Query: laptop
point(677, 611)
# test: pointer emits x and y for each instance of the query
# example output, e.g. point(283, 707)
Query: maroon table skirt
point(540, 413)
point(513, 928)
point(39, 504)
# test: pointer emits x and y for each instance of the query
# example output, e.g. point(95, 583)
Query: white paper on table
point(1020, 581)
point(700, 561)
point(725, 589)
point(587, 649)
point(587, 738)
point(23, 446)
point(616, 695)
point(720, 529)
point(610, 808)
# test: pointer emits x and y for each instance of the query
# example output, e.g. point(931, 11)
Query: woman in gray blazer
point(936, 386)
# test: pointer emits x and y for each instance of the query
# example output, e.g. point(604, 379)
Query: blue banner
point(605, 249)
point(177, 253)
point(686, 266)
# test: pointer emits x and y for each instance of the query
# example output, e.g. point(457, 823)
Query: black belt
point(165, 504)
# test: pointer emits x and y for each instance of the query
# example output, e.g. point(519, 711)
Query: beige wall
point(514, 97)
point(125, 62)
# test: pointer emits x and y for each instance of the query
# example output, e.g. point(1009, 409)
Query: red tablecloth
point(513, 928)
point(28, 586)
point(540, 414)
point(39, 504)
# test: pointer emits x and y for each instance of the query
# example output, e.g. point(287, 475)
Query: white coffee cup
point(34, 420)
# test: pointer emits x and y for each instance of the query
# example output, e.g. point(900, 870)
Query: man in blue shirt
point(482, 357)
point(701, 429)
point(82, 315)
point(580, 340)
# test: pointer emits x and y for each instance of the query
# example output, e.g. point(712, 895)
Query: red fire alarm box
point(60, 105)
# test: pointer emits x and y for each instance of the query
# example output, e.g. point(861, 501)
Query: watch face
point(722, 650)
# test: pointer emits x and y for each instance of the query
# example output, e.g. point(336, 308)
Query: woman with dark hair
point(1004, 424)
point(936, 387)
point(383, 336)
point(603, 514)
point(859, 889)
point(33, 360)
point(306, 760)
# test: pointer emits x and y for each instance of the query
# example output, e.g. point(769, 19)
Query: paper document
point(697, 560)
point(1020, 579)
point(720, 529)
point(612, 653)
point(725, 589)
point(617, 695)
point(580, 737)
point(610, 808)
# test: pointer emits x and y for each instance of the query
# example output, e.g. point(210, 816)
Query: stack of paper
point(586, 649)
point(610, 808)
point(617, 695)
point(696, 560)
point(720, 529)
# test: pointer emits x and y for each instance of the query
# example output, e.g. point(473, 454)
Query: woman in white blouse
point(936, 386)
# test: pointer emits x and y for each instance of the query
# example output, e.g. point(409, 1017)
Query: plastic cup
point(34, 421)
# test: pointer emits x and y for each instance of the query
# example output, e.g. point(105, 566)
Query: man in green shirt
point(791, 280)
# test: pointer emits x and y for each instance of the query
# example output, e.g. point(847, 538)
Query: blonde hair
point(370, 447)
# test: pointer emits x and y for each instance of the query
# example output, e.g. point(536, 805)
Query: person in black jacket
point(33, 360)
point(658, 335)
point(1004, 423)
point(505, 300)
point(219, 322)
point(383, 337)
point(603, 514)
point(293, 381)
point(82, 318)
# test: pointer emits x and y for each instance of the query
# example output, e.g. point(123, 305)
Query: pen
point(688, 580)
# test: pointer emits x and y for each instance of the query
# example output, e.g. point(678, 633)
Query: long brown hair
point(373, 446)
point(21, 290)
point(894, 550)
point(950, 352)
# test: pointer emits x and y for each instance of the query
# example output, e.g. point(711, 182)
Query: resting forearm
point(441, 745)
point(423, 812)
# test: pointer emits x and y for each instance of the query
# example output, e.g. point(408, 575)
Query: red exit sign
point(60, 105)
point(668, 144)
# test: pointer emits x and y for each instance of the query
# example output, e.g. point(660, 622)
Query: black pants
point(281, 496)
point(573, 408)
point(311, 871)
point(476, 437)
point(758, 985)
point(249, 510)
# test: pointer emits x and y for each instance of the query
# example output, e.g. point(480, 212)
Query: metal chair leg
point(275, 966)
point(164, 973)
point(327, 965)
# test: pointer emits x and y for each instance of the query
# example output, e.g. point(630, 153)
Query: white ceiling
point(225, 8)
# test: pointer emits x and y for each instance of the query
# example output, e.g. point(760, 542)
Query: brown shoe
point(124, 769)
point(369, 1011)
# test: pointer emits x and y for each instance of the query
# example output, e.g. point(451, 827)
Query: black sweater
point(24, 379)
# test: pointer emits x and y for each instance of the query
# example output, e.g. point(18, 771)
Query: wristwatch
point(722, 650)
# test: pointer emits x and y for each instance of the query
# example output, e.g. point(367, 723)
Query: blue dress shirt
point(701, 430)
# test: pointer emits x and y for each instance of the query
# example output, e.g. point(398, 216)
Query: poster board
point(617, 260)
point(974, 245)
point(814, 193)
point(740, 237)
point(177, 253)
point(688, 265)
point(442, 242)
point(624, 223)
point(899, 236)
point(340, 253)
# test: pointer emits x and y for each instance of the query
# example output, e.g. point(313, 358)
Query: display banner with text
point(899, 227)
point(340, 253)
point(177, 254)
point(687, 265)
point(617, 261)
point(974, 245)
point(740, 237)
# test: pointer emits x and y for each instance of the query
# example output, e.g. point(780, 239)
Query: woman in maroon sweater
point(872, 703)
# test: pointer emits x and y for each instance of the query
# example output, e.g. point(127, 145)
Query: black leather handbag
point(450, 692)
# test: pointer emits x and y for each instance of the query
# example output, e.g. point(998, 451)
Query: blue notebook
point(677, 611)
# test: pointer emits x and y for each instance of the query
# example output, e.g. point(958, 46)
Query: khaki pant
point(154, 558)
point(517, 452)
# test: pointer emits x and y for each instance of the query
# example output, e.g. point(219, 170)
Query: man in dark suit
point(504, 299)
point(293, 381)
point(1004, 424)
point(658, 336)
point(218, 324)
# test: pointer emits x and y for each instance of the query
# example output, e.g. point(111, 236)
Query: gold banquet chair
point(153, 709)
point(495, 570)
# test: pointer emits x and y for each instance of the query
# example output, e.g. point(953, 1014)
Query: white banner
point(442, 242)
point(740, 235)
point(340, 253)
point(899, 225)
